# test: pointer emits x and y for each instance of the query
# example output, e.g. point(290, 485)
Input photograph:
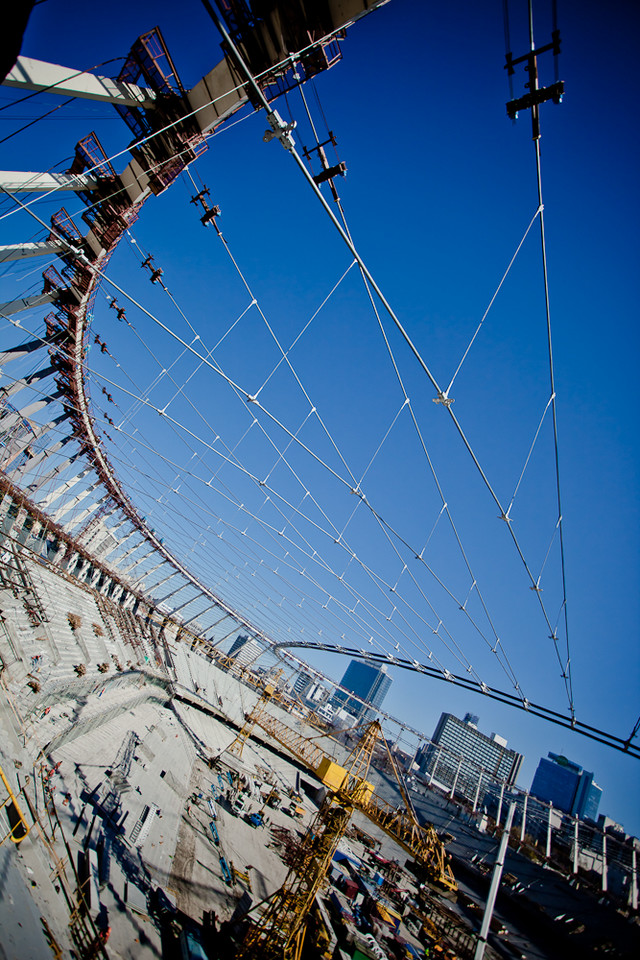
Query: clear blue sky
point(439, 192)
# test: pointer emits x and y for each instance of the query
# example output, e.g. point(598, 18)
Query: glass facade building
point(567, 786)
point(369, 683)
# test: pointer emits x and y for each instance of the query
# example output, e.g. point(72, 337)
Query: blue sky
point(439, 192)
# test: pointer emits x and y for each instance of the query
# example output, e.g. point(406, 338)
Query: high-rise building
point(567, 786)
point(302, 683)
point(244, 650)
point(367, 682)
point(463, 759)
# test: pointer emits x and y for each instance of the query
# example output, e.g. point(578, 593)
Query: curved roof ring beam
point(508, 699)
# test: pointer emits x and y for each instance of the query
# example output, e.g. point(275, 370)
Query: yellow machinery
point(401, 823)
point(279, 934)
point(18, 826)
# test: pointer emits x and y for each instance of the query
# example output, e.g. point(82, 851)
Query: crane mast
point(420, 841)
point(279, 934)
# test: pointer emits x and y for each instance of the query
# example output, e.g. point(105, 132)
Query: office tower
point(466, 761)
point(567, 786)
point(367, 682)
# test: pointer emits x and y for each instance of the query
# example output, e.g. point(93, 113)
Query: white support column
point(120, 543)
point(548, 849)
point(500, 804)
point(633, 892)
point(523, 825)
point(72, 561)
point(455, 780)
point(25, 442)
point(127, 553)
point(433, 769)
point(21, 251)
point(81, 517)
point(21, 349)
point(173, 592)
point(26, 412)
point(72, 504)
point(475, 799)
point(493, 889)
point(576, 847)
point(137, 562)
point(147, 573)
point(51, 475)
point(20, 472)
point(17, 385)
point(161, 583)
point(605, 877)
point(30, 74)
point(65, 487)
point(186, 603)
point(82, 572)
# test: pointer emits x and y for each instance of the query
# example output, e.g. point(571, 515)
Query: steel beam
point(173, 592)
point(147, 573)
point(135, 563)
point(22, 349)
point(202, 612)
point(30, 74)
point(72, 504)
point(38, 484)
point(27, 181)
point(9, 421)
point(19, 251)
point(17, 385)
point(64, 487)
point(198, 596)
point(160, 583)
point(26, 303)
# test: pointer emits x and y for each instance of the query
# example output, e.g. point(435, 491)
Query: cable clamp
point(443, 399)
point(281, 130)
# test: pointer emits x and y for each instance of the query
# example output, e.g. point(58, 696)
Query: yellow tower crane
point(420, 841)
point(279, 933)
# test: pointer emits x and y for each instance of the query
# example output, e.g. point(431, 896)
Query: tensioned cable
point(335, 599)
point(262, 408)
point(491, 302)
point(192, 113)
point(387, 585)
point(380, 581)
point(194, 351)
point(358, 484)
point(554, 413)
point(287, 141)
point(497, 644)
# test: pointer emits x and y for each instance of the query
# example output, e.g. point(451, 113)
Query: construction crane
point(279, 933)
point(401, 823)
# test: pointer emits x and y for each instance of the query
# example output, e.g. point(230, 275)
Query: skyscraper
point(567, 786)
point(244, 650)
point(465, 760)
point(369, 683)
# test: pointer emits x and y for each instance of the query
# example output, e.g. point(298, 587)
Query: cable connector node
point(281, 130)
